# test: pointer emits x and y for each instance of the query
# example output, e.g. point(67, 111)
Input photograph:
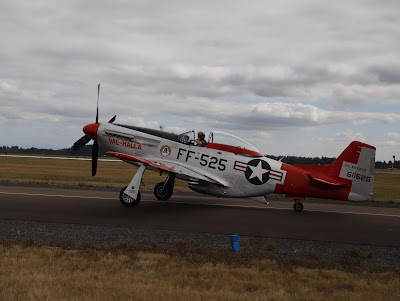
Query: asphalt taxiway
point(320, 221)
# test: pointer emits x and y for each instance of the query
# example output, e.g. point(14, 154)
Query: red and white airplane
point(232, 169)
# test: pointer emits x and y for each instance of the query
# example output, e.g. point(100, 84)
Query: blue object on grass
point(235, 243)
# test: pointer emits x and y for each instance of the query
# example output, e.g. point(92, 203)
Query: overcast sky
point(292, 77)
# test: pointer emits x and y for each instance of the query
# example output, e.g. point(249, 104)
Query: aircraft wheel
point(162, 192)
point(126, 200)
point(298, 207)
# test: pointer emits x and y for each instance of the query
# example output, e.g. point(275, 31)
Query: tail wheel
point(126, 200)
point(298, 207)
point(162, 191)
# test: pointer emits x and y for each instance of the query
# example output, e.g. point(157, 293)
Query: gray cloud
point(387, 74)
point(278, 116)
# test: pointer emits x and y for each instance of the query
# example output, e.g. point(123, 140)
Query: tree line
point(84, 151)
point(87, 151)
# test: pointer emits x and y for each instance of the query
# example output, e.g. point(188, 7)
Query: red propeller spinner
point(91, 129)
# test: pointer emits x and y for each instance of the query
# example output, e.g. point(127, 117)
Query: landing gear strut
point(297, 206)
point(164, 190)
point(130, 195)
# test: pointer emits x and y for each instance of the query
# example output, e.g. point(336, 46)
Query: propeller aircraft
point(232, 170)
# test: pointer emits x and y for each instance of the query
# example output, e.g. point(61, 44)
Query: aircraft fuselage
point(223, 173)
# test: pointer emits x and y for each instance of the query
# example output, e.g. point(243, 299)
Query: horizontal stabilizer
point(326, 180)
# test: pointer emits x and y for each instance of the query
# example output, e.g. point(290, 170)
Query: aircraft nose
point(91, 129)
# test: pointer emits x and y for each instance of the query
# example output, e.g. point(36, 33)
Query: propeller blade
point(95, 155)
point(98, 95)
point(82, 142)
point(113, 119)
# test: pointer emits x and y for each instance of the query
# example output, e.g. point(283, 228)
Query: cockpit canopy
point(224, 141)
point(231, 140)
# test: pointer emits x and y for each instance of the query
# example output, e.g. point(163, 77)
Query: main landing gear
point(130, 195)
point(164, 190)
point(297, 206)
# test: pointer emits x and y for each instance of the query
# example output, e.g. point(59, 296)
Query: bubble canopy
point(229, 142)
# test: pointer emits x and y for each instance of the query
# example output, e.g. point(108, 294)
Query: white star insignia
point(257, 171)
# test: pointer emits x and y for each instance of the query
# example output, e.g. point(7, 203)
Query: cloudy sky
point(292, 77)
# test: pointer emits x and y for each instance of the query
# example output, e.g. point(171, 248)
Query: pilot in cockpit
point(200, 141)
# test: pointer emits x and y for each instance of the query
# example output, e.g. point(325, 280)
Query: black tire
point(162, 192)
point(298, 207)
point(127, 201)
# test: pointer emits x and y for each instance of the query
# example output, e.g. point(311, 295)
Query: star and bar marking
point(258, 172)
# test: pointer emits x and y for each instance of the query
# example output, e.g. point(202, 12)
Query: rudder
point(357, 164)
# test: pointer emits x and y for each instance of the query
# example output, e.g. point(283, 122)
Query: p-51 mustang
point(232, 170)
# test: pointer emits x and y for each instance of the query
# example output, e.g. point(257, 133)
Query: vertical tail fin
point(357, 164)
point(351, 174)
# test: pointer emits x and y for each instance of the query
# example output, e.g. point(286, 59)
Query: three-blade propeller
point(90, 131)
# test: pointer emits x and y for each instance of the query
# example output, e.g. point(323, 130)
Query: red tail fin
point(355, 166)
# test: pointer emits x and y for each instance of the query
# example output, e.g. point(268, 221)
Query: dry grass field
point(40, 273)
point(118, 174)
point(387, 186)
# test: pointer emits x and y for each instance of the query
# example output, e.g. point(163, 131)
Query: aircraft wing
point(174, 168)
point(130, 158)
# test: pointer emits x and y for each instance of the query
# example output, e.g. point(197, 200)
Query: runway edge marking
point(57, 195)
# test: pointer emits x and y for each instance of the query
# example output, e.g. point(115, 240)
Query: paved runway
point(344, 222)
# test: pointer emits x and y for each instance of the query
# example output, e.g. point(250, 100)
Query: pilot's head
point(201, 135)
